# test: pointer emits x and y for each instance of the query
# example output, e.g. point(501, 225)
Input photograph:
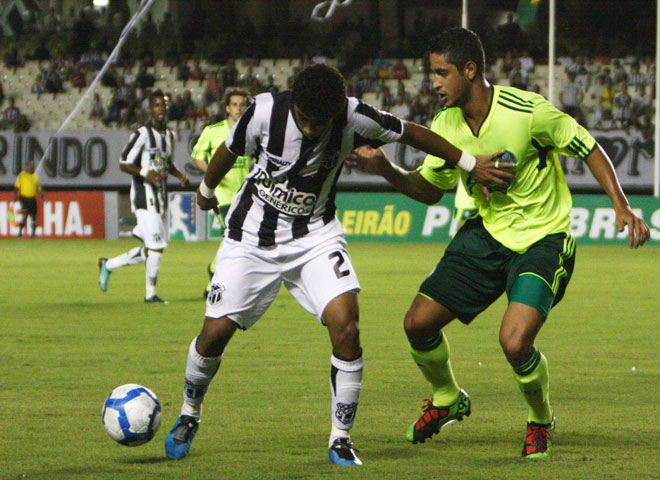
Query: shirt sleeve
point(244, 136)
point(436, 170)
point(17, 184)
point(375, 127)
point(131, 153)
point(553, 128)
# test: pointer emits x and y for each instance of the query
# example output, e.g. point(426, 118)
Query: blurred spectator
point(571, 95)
point(623, 105)
point(196, 73)
point(636, 78)
point(518, 77)
point(97, 111)
point(10, 115)
point(183, 72)
point(12, 59)
point(399, 70)
point(401, 92)
point(386, 98)
point(109, 79)
point(190, 109)
point(144, 79)
point(400, 108)
point(177, 112)
point(148, 30)
point(606, 96)
point(645, 126)
point(507, 63)
point(78, 79)
point(214, 87)
point(618, 72)
point(642, 101)
point(114, 113)
point(526, 63)
point(2, 94)
point(41, 53)
point(38, 86)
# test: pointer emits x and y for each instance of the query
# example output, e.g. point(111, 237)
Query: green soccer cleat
point(104, 273)
point(538, 441)
point(434, 418)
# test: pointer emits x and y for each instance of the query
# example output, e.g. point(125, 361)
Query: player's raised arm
point(602, 169)
point(412, 184)
point(220, 164)
point(484, 169)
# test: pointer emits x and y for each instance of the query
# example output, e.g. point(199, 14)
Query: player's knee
point(416, 326)
point(214, 336)
point(515, 348)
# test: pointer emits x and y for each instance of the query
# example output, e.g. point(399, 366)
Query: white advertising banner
point(90, 159)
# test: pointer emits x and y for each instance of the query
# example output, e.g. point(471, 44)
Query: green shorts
point(476, 269)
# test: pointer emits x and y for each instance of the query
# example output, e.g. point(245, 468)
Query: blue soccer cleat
point(177, 443)
point(104, 273)
point(342, 452)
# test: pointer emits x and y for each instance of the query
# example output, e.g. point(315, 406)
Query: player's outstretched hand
point(638, 230)
point(207, 203)
point(368, 160)
point(184, 181)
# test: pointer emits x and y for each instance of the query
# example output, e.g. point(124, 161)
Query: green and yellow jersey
point(537, 203)
point(211, 138)
point(28, 185)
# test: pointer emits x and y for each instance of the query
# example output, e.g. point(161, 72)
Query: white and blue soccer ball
point(132, 414)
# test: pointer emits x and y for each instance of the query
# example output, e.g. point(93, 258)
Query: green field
point(64, 345)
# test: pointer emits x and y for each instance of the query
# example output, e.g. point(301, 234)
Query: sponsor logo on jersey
point(278, 161)
point(277, 193)
point(346, 412)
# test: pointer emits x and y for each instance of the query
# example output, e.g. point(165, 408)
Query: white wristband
point(205, 190)
point(144, 172)
point(467, 162)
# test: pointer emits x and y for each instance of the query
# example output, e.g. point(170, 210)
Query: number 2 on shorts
point(338, 264)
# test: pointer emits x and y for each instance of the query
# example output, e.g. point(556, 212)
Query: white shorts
point(150, 229)
point(315, 269)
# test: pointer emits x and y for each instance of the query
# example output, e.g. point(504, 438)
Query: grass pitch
point(64, 345)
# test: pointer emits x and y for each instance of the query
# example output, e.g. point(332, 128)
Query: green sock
point(432, 358)
point(533, 380)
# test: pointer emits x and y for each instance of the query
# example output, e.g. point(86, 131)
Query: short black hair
point(461, 46)
point(234, 92)
point(155, 94)
point(320, 91)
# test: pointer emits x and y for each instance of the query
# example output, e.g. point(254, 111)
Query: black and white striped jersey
point(291, 189)
point(148, 148)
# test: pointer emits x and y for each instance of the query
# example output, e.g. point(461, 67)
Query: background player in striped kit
point(148, 157)
point(282, 229)
point(520, 241)
point(235, 101)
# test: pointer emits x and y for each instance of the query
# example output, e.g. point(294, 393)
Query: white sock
point(151, 275)
point(199, 373)
point(345, 386)
point(132, 257)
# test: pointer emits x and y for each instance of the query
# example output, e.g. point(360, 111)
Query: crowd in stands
point(600, 92)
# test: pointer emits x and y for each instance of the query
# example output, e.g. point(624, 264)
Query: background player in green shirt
point(236, 102)
point(520, 242)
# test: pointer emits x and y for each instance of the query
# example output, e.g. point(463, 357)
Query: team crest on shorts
point(346, 412)
point(215, 295)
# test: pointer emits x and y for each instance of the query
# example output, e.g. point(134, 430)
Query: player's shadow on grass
point(145, 460)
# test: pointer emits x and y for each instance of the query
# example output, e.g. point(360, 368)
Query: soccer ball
point(131, 415)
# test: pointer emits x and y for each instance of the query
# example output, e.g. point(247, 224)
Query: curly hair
point(461, 46)
point(319, 91)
